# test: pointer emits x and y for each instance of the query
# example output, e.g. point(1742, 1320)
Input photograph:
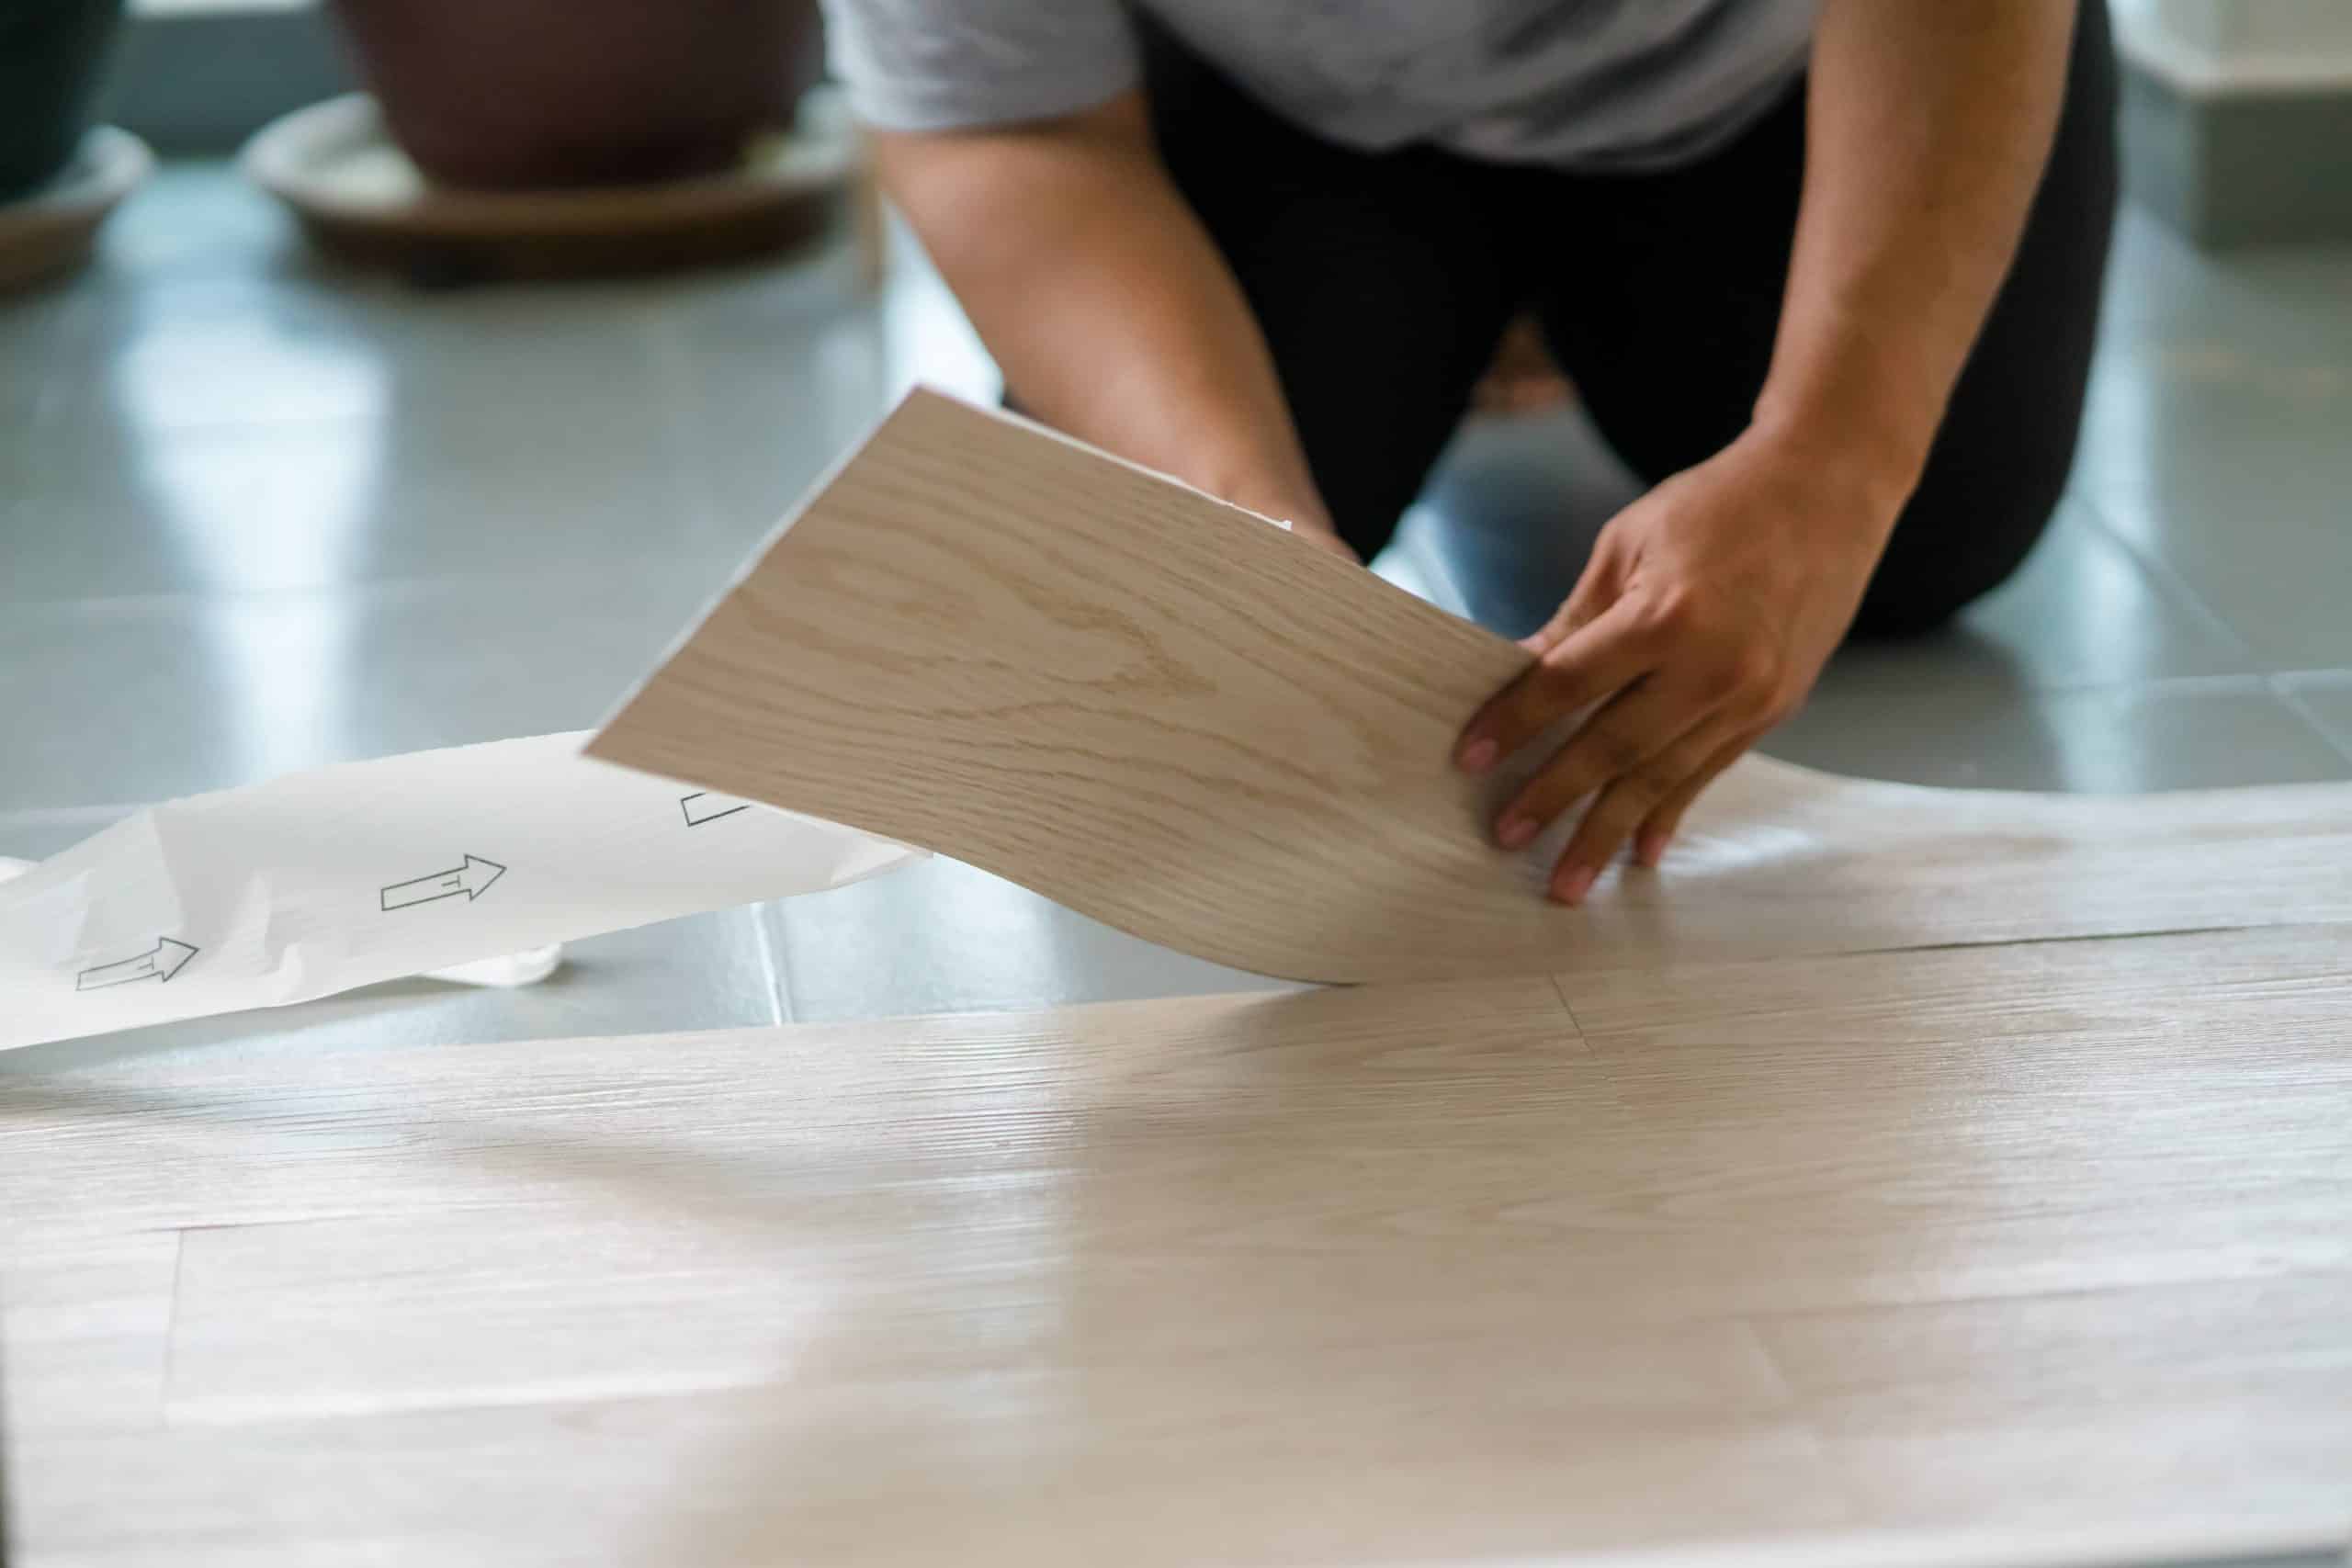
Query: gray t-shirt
point(1585, 84)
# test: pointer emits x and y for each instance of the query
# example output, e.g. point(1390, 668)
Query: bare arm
point(1711, 604)
point(1928, 128)
point(1103, 300)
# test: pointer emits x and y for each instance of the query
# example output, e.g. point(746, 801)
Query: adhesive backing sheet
point(321, 881)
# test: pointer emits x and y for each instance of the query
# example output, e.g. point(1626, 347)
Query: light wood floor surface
point(2002, 1253)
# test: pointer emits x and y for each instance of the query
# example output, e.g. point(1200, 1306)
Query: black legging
point(1383, 281)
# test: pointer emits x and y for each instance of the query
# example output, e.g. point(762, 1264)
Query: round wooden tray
point(336, 164)
point(51, 229)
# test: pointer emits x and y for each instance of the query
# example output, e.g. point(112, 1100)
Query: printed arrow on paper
point(472, 879)
point(704, 806)
point(160, 962)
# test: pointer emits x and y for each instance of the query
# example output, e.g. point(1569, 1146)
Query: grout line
point(2188, 686)
point(2250, 683)
point(673, 387)
point(773, 962)
point(426, 589)
point(2166, 580)
point(70, 816)
point(2287, 694)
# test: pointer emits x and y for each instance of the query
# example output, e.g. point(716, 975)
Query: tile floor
point(258, 512)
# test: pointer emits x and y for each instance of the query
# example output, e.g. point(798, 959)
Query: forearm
point(1106, 305)
point(1929, 125)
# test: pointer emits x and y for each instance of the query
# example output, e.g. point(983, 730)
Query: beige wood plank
point(1777, 860)
point(278, 1133)
point(2150, 1048)
point(977, 1278)
point(985, 639)
point(1407, 1273)
point(1403, 1463)
point(1992, 1120)
point(2098, 1085)
point(84, 1332)
point(1987, 1360)
point(2173, 1398)
point(349, 1317)
point(1142, 701)
point(1818, 1021)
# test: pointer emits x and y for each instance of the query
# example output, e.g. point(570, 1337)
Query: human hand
point(1704, 619)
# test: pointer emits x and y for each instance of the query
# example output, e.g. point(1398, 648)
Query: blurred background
point(332, 426)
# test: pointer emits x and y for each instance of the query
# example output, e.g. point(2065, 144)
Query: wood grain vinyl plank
point(1407, 1273)
point(2110, 1047)
point(720, 1122)
point(1985, 1360)
point(1694, 1230)
point(354, 1317)
point(1156, 709)
point(1403, 1461)
point(2282, 986)
point(1987, 1120)
point(2173, 1397)
point(1781, 861)
point(85, 1325)
point(1152, 707)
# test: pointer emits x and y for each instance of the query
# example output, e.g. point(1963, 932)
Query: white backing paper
point(342, 877)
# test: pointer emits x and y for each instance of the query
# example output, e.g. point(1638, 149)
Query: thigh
point(1667, 324)
point(1663, 290)
point(1382, 281)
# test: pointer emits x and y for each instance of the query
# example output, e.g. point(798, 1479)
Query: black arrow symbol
point(160, 962)
point(472, 879)
point(712, 807)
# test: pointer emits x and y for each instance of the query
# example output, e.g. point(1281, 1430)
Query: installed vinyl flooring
point(2021, 1253)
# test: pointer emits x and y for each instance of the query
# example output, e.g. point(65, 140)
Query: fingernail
point(1571, 888)
point(1516, 832)
point(1478, 756)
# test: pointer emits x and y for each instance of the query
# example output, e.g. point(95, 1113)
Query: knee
point(1915, 604)
point(1958, 542)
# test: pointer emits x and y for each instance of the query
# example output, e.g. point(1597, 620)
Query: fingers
point(1628, 801)
point(1617, 742)
point(1597, 586)
point(1658, 829)
point(1596, 660)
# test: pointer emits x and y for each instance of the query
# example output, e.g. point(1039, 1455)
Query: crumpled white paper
point(342, 877)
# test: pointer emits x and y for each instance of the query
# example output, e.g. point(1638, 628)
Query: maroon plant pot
point(532, 93)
